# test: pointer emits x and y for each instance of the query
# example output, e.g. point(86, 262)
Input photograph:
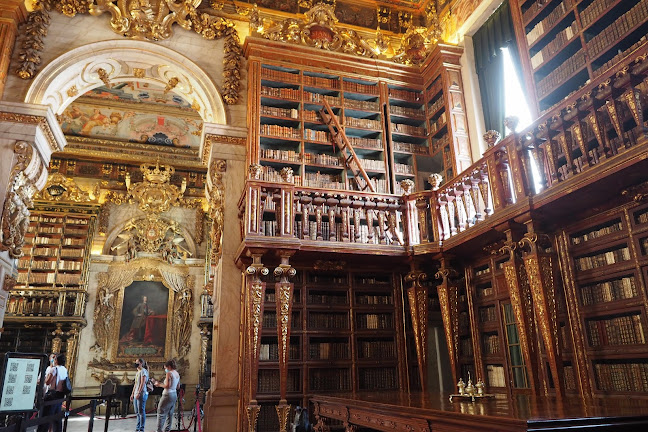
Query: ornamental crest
point(146, 19)
point(319, 29)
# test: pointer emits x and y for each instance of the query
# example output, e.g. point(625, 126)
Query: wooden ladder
point(350, 157)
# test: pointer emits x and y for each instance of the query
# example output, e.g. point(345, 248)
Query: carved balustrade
point(46, 303)
point(596, 124)
point(304, 214)
point(591, 133)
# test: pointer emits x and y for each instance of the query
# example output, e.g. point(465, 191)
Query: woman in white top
point(140, 393)
point(169, 397)
point(55, 379)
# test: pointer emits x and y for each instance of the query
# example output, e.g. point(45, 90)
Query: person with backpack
point(171, 385)
point(58, 382)
point(140, 393)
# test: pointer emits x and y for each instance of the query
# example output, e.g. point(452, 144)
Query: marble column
point(29, 134)
point(12, 13)
point(226, 143)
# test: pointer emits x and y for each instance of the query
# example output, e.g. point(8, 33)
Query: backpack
point(149, 385)
point(67, 384)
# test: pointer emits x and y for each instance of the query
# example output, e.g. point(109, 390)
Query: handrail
point(596, 130)
point(23, 424)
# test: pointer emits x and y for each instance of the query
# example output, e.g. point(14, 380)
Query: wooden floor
point(396, 411)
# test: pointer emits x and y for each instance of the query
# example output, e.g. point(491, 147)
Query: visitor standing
point(169, 397)
point(55, 380)
point(140, 393)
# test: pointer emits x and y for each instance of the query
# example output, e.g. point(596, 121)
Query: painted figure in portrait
point(143, 326)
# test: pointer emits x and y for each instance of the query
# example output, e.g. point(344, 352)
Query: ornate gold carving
point(9, 282)
point(32, 120)
point(283, 411)
point(415, 45)
point(252, 411)
point(15, 215)
point(139, 72)
point(254, 171)
point(108, 305)
point(32, 45)
point(155, 194)
point(435, 180)
point(491, 137)
point(210, 140)
point(418, 302)
point(146, 19)
point(171, 84)
point(319, 29)
point(407, 186)
point(182, 318)
point(216, 208)
point(60, 188)
point(72, 91)
point(211, 27)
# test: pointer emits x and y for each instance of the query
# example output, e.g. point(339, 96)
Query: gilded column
point(205, 341)
point(449, 302)
point(540, 263)
point(71, 349)
point(581, 364)
point(417, 295)
point(255, 295)
point(12, 13)
point(284, 301)
point(521, 302)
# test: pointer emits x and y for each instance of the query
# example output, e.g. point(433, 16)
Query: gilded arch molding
point(110, 62)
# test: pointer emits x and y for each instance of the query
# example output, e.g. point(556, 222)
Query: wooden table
point(396, 411)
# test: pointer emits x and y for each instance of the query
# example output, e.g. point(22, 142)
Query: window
point(515, 100)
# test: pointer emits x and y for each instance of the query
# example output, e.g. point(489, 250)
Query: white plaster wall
point(66, 33)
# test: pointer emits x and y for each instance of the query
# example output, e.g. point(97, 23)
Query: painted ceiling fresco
point(134, 112)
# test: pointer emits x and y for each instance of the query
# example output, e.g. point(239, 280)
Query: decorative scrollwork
point(15, 215)
point(216, 194)
point(319, 29)
point(32, 45)
point(60, 188)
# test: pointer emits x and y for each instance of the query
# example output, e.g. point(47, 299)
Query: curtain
point(496, 33)
point(176, 281)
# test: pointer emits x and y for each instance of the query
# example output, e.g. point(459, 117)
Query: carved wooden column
point(12, 13)
point(417, 295)
point(205, 341)
point(541, 266)
point(521, 302)
point(449, 302)
point(581, 364)
point(255, 294)
point(284, 300)
point(71, 348)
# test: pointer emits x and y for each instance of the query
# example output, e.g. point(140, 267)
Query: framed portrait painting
point(144, 328)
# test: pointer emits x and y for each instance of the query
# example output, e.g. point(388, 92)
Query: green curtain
point(496, 33)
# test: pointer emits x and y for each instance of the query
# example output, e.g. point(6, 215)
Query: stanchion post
point(66, 415)
point(108, 405)
point(93, 409)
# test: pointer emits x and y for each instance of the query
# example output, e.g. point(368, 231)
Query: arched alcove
point(84, 68)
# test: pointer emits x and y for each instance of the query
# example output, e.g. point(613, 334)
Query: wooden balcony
point(583, 152)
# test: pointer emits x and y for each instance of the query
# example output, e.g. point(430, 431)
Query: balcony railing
point(46, 303)
point(595, 132)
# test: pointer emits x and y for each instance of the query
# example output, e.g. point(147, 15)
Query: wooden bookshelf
point(52, 274)
point(610, 271)
point(387, 114)
point(566, 43)
point(344, 330)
